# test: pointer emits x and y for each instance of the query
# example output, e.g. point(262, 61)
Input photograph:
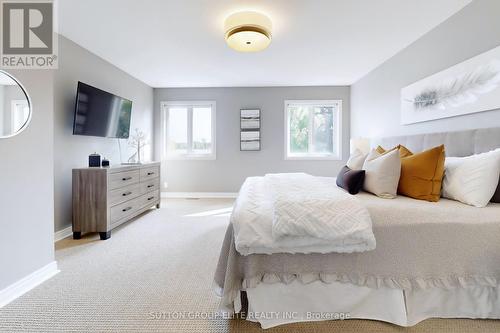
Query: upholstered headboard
point(459, 143)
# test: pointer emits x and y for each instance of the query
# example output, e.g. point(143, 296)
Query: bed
point(431, 260)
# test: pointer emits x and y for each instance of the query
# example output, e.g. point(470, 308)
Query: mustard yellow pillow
point(403, 151)
point(381, 150)
point(422, 174)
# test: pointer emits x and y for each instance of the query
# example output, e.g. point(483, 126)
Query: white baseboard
point(27, 283)
point(61, 234)
point(195, 195)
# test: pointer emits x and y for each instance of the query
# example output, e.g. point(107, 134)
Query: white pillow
point(356, 160)
point(472, 179)
point(382, 173)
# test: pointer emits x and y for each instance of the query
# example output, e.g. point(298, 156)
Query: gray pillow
point(351, 180)
point(496, 196)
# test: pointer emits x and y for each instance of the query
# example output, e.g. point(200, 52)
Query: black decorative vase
point(94, 160)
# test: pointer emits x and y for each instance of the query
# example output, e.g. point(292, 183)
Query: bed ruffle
point(372, 281)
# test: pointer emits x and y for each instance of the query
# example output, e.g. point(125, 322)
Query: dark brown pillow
point(496, 196)
point(351, 180)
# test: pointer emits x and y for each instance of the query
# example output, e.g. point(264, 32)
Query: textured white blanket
point(298, 213)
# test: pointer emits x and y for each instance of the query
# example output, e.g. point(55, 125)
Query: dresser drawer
point(121, 179)
point(150, 185)
point(125, 209)
point(124, 194)
point(150, 173)
point(149, 199)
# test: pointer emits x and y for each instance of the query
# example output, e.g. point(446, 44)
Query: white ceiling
point(167, 43)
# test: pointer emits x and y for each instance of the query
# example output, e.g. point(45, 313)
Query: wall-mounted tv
point(99, 113)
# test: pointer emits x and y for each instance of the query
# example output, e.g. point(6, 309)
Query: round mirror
point(15, 106)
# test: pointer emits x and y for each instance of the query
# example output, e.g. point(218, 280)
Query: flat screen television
point(99, 113)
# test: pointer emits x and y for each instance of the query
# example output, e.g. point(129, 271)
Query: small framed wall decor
point(250, 129)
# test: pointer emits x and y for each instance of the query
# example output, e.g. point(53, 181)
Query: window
point(313, 130)
point(189, 130)
point(20, 111)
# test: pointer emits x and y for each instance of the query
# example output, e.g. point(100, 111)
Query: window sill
point(313, 158)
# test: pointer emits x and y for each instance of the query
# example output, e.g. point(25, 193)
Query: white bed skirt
point(278, 303)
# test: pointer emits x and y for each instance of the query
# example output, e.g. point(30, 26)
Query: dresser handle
point(150, 198)
point(149, 186)
point(126, 178)
point(125, 209)
point(150, 173)
point(127, 193)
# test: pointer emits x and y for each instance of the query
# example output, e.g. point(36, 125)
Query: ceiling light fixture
point(248, 31)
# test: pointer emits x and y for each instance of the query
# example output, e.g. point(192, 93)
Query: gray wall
point(26, 180)
point(78, 64)
point(375, 99)
point(228, 171)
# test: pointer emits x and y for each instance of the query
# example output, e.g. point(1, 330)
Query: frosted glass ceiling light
point(248, 31)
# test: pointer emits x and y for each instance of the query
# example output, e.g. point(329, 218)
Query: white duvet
point(299, 213)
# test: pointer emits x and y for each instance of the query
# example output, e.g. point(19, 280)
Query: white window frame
point(164, 121)
point(337, 131)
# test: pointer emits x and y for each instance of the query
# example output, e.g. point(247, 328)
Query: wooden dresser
point(104, 198)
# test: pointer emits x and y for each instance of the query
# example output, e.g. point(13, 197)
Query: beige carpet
point(161, 262)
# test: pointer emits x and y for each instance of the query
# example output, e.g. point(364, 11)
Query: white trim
point(189, 156)
point(312, 156)
point(195, 195)
point(27, 283)
point(64, 233)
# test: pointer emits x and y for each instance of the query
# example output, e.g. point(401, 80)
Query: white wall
point(71, 151)
point(375, 99)
point(227, 173)
point(27, 186)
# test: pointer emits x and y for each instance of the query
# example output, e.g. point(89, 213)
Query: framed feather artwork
point(468, 87)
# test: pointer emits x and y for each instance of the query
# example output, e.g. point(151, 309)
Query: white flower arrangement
point(137, 141)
